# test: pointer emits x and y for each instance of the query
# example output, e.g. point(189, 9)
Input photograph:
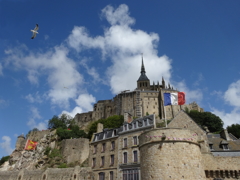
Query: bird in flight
point(35, 31)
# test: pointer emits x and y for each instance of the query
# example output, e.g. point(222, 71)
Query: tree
point(234, 129)
point(213, 122)
point(4, 159)
point(111, 122)
point(57, 122)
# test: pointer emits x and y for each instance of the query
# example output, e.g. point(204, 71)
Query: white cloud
point(120, 16)
point(191, 95)
point(84, 104)
point(123, 45)
point(85, 101)
point(232, 95)
point(1, 70)
point(32, 120)
point(60, 70)
point(228, 118)
point(34, 98)
point(73, 112)
point(6, 145)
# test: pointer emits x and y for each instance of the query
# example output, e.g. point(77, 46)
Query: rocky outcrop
point(34, 159)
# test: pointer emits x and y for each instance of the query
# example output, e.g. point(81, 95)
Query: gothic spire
point(143, 68)
point(143, 76)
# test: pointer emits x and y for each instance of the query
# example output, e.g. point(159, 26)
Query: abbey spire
point(143, 81)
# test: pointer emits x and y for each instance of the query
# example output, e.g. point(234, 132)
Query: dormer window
point(211, 146)
point(125, 127)
point(114, 132)
point(225, 146)
point(134, 125)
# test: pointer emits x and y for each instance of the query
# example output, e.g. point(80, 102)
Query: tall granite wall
point(77, 173)
point(75, 150)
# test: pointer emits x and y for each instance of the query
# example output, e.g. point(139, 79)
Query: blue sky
point(93, 48)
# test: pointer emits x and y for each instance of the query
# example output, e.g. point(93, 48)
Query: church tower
point(143, 82)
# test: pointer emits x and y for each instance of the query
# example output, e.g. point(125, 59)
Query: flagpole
point(165, 117)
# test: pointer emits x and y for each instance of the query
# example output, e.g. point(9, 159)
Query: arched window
point(44, 176)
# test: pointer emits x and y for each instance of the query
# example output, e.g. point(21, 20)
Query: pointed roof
point(143, 76)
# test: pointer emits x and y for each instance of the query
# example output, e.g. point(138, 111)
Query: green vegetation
point(63, 165)
point(234, 129)
point(111, 122)
point(4, 159)
point(34, 129)
point(213, 122)
point(162, 124)
point(47, 151)
point(66, 127)
point(55, 153)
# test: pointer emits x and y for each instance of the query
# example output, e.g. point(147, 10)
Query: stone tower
point(170, 154)
point(20, 142)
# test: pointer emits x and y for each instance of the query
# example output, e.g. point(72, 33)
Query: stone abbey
point(145, 99)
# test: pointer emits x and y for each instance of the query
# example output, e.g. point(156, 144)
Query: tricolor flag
point(174, 98)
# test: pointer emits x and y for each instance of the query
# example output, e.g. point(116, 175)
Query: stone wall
point(75, 150)
point(76, 173)
point(37, 135)
point(177, 156)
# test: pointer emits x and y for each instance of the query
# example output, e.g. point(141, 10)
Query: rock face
point(48, 153)
point(31, 160)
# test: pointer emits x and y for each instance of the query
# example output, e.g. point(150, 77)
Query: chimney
point(224, 134)
point(127, 117)
point(99, 127)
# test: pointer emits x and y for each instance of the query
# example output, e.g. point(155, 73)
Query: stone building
point(145, 99)
point(114, 153)
point(183, 150)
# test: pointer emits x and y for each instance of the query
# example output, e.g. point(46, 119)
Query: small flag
point(174, 98)
point(31, 145)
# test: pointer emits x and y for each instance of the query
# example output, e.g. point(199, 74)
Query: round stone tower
point(20, 142)
point(168, 154)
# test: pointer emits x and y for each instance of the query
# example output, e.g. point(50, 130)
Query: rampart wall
point(170, 154)
point(75, 150)
point(77, 173)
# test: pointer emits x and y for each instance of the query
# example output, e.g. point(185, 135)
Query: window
point(95, 149)
point(145, 122)
point(103, 147)
point(135, 156)
point(125, 157)
point(101, 176)
point(131, 174)
point(125, 127)
point(93, 162)
point(111, 175)
point(134, 125)
point(211, 146)
point(112, 160)
point(225, 147)
point(102, 161)
point(134, 140)
point(113, 145)
point(125, 143)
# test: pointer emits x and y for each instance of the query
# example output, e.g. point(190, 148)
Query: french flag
point(174, 98)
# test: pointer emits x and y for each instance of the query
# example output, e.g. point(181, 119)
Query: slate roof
point(217, 141)
point(143, 77)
